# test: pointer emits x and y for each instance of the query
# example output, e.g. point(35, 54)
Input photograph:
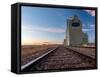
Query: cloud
point(83, 25)
point(92, 26)
point(31, 28)
point(87, 30)
point(59, 14)
point(89, 25)
point(91, 12)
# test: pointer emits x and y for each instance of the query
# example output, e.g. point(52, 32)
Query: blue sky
point(48, 25)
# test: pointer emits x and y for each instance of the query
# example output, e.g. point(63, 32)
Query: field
point(29, 52)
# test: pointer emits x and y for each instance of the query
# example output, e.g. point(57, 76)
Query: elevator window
point(75, 24)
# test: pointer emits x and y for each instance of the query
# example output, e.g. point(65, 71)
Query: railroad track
point(59, 58)
point(35, 60)
point(86, 51)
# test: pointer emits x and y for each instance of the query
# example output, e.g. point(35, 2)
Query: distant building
point(74, 34)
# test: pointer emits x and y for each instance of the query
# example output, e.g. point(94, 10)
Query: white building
point(74, 34)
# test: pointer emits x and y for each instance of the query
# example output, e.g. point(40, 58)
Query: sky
point(48, 25)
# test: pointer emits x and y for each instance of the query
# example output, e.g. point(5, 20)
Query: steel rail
point(38, 58)
point(80, 53)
